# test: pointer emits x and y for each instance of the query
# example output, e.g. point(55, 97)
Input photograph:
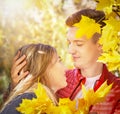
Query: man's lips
point(75, 58)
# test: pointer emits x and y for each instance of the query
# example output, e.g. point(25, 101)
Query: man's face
point(84, 51)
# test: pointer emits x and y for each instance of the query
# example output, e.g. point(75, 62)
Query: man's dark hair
point(98, 16)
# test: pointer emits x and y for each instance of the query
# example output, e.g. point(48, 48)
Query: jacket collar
point(99, 82)
point(102, 78)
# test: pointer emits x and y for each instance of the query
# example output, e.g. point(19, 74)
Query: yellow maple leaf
point(102, 91)
point(87, 27)
point(112, 59)
point(115, 23)
point(83, 107)
point(110, 34)
point(98, 96)
point(40, 92)
point(60, 110)
point(118, 2)
point(43, 104)
point(109, 39)
point(67, 102)
point(37, 105)
point(65, 106)
point(105, 5)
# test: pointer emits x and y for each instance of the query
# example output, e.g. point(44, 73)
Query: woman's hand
point(17, 66)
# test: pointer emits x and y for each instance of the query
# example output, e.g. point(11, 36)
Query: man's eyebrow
point(79, 41)
point(76, 40)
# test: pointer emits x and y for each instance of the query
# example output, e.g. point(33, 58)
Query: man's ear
point(96, 37)
point(99, 46)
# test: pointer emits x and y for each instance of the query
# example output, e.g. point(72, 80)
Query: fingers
point(17, 56)
point(17, 78)
point(18, 65)
point(23, 75)
point(17, 61)
point(18, 68)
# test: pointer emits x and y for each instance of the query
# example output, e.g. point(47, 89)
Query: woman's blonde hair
point(38, 57)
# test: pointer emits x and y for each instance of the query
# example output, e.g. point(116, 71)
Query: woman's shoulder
point(11, 106)
point(25, 95)
point(19, 98)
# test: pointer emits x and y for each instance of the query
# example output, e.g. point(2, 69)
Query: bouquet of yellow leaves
point(91, 98)
point(43, 104)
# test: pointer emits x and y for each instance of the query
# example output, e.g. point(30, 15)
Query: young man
point(85, 53)
point(92, 74)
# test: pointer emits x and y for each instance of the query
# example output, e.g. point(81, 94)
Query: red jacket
point(74, 80)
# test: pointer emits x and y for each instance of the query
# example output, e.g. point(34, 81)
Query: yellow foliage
point(110, 41)
point(98, 96)
point(43, 104)
point(112, 59)
point(36, 105)
point(67, 102)
point(105, 5)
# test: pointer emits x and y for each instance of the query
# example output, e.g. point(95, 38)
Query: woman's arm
point(16, 76)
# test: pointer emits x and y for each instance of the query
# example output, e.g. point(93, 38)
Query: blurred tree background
point(33, 21)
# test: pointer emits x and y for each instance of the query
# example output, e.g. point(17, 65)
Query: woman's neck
point(92, 70)
point(51, 94)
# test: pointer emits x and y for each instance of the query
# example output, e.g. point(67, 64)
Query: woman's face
point(57, 77)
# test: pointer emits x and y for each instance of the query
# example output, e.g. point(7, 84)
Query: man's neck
point(92, 70)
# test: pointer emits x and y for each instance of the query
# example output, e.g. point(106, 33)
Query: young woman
point(43, 64)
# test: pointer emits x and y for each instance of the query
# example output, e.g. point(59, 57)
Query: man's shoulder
point(113, 78)
point(110, 76)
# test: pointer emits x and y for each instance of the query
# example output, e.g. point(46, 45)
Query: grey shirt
point(11, 106)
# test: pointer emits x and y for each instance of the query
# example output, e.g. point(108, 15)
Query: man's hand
point(17, 66)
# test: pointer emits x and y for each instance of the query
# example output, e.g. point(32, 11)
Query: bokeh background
point(34, 21)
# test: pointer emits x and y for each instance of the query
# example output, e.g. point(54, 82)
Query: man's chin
point(76, 65)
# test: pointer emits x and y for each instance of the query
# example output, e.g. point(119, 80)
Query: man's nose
point(71, 49)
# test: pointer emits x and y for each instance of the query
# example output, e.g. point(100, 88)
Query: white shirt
point(89, 84)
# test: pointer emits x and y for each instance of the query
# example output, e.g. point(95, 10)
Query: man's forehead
point(71, 35)
point(76, 39)
point(72, 29)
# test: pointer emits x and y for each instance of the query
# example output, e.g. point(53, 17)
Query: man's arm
point(111, 105)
